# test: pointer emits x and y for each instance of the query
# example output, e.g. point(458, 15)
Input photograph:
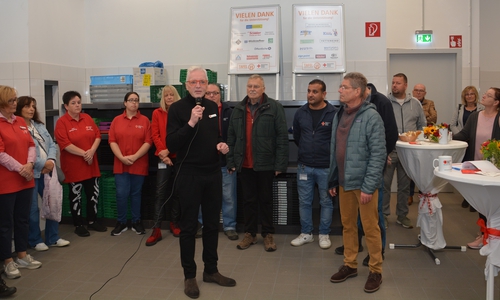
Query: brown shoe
point(191, 288)
point(247, 241)
point(373, 282)
point(219, 279)
point(344, 273)
point(269, 244)
point(410, 200)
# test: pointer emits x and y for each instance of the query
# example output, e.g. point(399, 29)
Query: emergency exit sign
point(423, 36)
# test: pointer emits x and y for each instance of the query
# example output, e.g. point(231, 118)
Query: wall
point(489, 45)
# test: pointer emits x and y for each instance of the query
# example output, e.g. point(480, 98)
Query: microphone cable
point(157, 219)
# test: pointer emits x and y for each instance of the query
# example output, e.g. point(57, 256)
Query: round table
point(417, 160)
point(482, 193)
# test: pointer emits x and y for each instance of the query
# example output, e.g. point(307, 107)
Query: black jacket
point(385, 110)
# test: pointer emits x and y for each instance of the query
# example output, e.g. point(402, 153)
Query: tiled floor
point(78, 271)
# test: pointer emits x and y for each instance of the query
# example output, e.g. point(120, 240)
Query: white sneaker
point(28, 262)
point(324, 241)
point(41, 247)
point(60, 243)
point(302, 239)
point(11, 270)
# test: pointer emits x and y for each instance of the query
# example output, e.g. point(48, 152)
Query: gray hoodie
point(410, 115)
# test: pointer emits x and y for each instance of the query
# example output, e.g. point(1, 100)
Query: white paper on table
point(484, 166)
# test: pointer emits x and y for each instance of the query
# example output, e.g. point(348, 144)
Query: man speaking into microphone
point(193, 133)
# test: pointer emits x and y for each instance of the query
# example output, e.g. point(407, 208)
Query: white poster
point(254, 40)
point(318, 39)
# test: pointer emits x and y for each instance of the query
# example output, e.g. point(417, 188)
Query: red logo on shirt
point(89, 128)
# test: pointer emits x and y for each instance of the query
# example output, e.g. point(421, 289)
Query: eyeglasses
point(419, 91)
point(344, 87)
point(133, 100)
point(194, 82)
point(211, 94)
point(11, 101)
point(255, 86)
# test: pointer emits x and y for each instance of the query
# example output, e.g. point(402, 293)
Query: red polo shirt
point(130, 135)
point(82, 134)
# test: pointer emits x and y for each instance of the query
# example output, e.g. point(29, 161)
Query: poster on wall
point(254, 40)
point(318, 39)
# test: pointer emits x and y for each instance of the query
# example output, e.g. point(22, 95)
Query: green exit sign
point(424, 36)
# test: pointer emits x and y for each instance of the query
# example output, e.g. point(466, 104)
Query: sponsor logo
point(266, 56)
point(237, 42)
point(270, 40)
point(320, 56)
point(252, 57)
point(305, 32)
point(327, 33)
point(335, 33)
point(254, 41)
point(334, 55)
point(318, 25)
point(311, 41)
point(329, 41)
point(304, 56)
point(238, 57)
point(254, 33)
point(305, 48)
point(262, 48)
point(269, 33)
point(331, 48)
point(253, 26)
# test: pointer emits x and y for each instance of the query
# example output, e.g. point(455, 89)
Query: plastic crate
point(181, 89)
point(156, 93)
point(111, 79)
point(183, 76)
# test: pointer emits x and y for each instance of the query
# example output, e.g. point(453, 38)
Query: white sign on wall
point(255, 40)
point(318, 39)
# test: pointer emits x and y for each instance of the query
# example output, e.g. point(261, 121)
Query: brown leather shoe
point(373, 282)
point(247, 241)
point(410, 200)
point(344, 273)
point(191, 288)
point(269, 244)
point(219, 279)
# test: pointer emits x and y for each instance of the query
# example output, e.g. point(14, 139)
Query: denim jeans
point(128, 185)
point(307, 177)
point(51, 226)
point(229, 201)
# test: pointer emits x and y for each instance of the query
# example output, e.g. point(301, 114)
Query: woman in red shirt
point(78, 138)
point(165, 174)
point(17, 157)
point(130, 140)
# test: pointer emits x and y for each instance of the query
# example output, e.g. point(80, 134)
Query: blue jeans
point(51, 226)
point(229, 201)
point(307, 177)
point(128, 185)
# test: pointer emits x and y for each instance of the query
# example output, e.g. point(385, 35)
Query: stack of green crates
point(181, 89)
point(155, 93)
point(107, 196)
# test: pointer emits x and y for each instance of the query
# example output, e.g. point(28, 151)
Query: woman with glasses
point(469, 104)
point(78, 138)
point(164, 175)
point(130, 140)
point(17, 157)
point(44, 164)
point(480, 127)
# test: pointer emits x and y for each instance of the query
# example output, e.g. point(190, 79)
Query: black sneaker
point(340, 250)
point(6, 291)
point(97, 227)
point(138, 228)
point(119, 228)
point(82, 231)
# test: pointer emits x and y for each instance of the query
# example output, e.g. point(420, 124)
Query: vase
point(443, 136)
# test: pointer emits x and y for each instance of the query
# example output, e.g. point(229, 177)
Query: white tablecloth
point(417, 162)
point(482, 192)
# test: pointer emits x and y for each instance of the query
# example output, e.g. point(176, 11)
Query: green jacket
point(269, 137)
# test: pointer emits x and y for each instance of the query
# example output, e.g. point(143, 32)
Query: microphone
point(198, 101)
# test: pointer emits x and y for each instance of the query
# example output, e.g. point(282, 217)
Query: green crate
point(156, 93)
point(181, 89)
point(212, 76)
point(183, 75)
point(66, 209)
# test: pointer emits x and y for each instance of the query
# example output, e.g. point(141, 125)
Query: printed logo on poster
point(305, 48)
point(266, 56)
point(311, 41)
point(320, 56)
point(305, 32)
point(270, 40)
point(252, 57)
point(254, 33)
point(252, 26)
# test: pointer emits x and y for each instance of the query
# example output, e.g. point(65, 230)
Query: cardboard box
point(149, 76)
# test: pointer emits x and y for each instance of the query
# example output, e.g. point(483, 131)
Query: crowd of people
point(203, 145)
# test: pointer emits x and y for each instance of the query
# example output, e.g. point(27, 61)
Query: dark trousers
point(91, 187)
point(164, 187)
point(257, 188)
point(14, 217)
point(193, 191)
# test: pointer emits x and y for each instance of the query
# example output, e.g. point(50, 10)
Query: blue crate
point(111, 79)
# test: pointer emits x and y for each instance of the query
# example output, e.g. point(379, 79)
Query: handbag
point(52, 198)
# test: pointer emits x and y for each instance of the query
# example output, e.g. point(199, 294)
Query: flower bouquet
point(433, 132)
point(491, 151)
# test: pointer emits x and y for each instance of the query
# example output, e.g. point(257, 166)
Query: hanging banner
point(254, 40)
point(318, 39)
